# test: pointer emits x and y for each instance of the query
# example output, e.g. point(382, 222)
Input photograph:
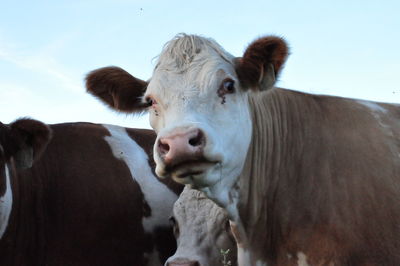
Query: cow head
point(202, 232)
point(198, 104)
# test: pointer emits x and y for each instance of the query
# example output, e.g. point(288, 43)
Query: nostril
point(197, 140)
point(163, 147)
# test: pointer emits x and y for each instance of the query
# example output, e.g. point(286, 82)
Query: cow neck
point(267, 161)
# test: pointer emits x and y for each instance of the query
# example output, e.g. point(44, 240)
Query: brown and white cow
point(91, 199)
point(202, 231)
point(306, 179)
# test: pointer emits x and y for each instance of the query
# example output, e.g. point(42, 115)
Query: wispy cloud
point(41, 61)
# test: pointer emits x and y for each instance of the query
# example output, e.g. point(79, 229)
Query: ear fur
point(28, 139)
point(262, 62)
point(117, 88)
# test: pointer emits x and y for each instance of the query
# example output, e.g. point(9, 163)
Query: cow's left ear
point(262, 62)
point(29, 139)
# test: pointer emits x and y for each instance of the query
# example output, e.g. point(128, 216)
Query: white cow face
point(198, 104)
point(202, 119)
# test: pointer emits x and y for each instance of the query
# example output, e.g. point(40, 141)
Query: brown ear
point(27, 140)
point(117, 88)
point(262, 62)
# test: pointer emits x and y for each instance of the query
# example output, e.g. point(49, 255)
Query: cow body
point(91, 199)
point(306, 179)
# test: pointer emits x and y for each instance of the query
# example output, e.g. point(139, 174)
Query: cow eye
point(228, 226)
point(229, 230)
point(228, 86)
point(150, 101)
point(174, 225)
point(172, 220)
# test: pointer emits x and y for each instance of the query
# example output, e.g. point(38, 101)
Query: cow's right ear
point(117, 88)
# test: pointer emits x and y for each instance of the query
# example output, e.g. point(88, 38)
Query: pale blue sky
point(347, 48)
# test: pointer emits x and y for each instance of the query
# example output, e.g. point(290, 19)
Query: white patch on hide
point(243, 256)
point(157, 195)
point(372, 106)
point(302, 259)
point(261, 263)
point(5, 204)
point(377, 111)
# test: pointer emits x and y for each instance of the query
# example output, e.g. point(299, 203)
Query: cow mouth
point(189, 169)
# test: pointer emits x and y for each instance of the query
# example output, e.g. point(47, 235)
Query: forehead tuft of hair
point(181, 51)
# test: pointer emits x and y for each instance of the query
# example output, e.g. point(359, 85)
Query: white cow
point(202, 232)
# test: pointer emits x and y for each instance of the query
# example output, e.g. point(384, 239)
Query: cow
point(92, 198)
point(306, 179)
point(202, 231)
point(21, 144)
